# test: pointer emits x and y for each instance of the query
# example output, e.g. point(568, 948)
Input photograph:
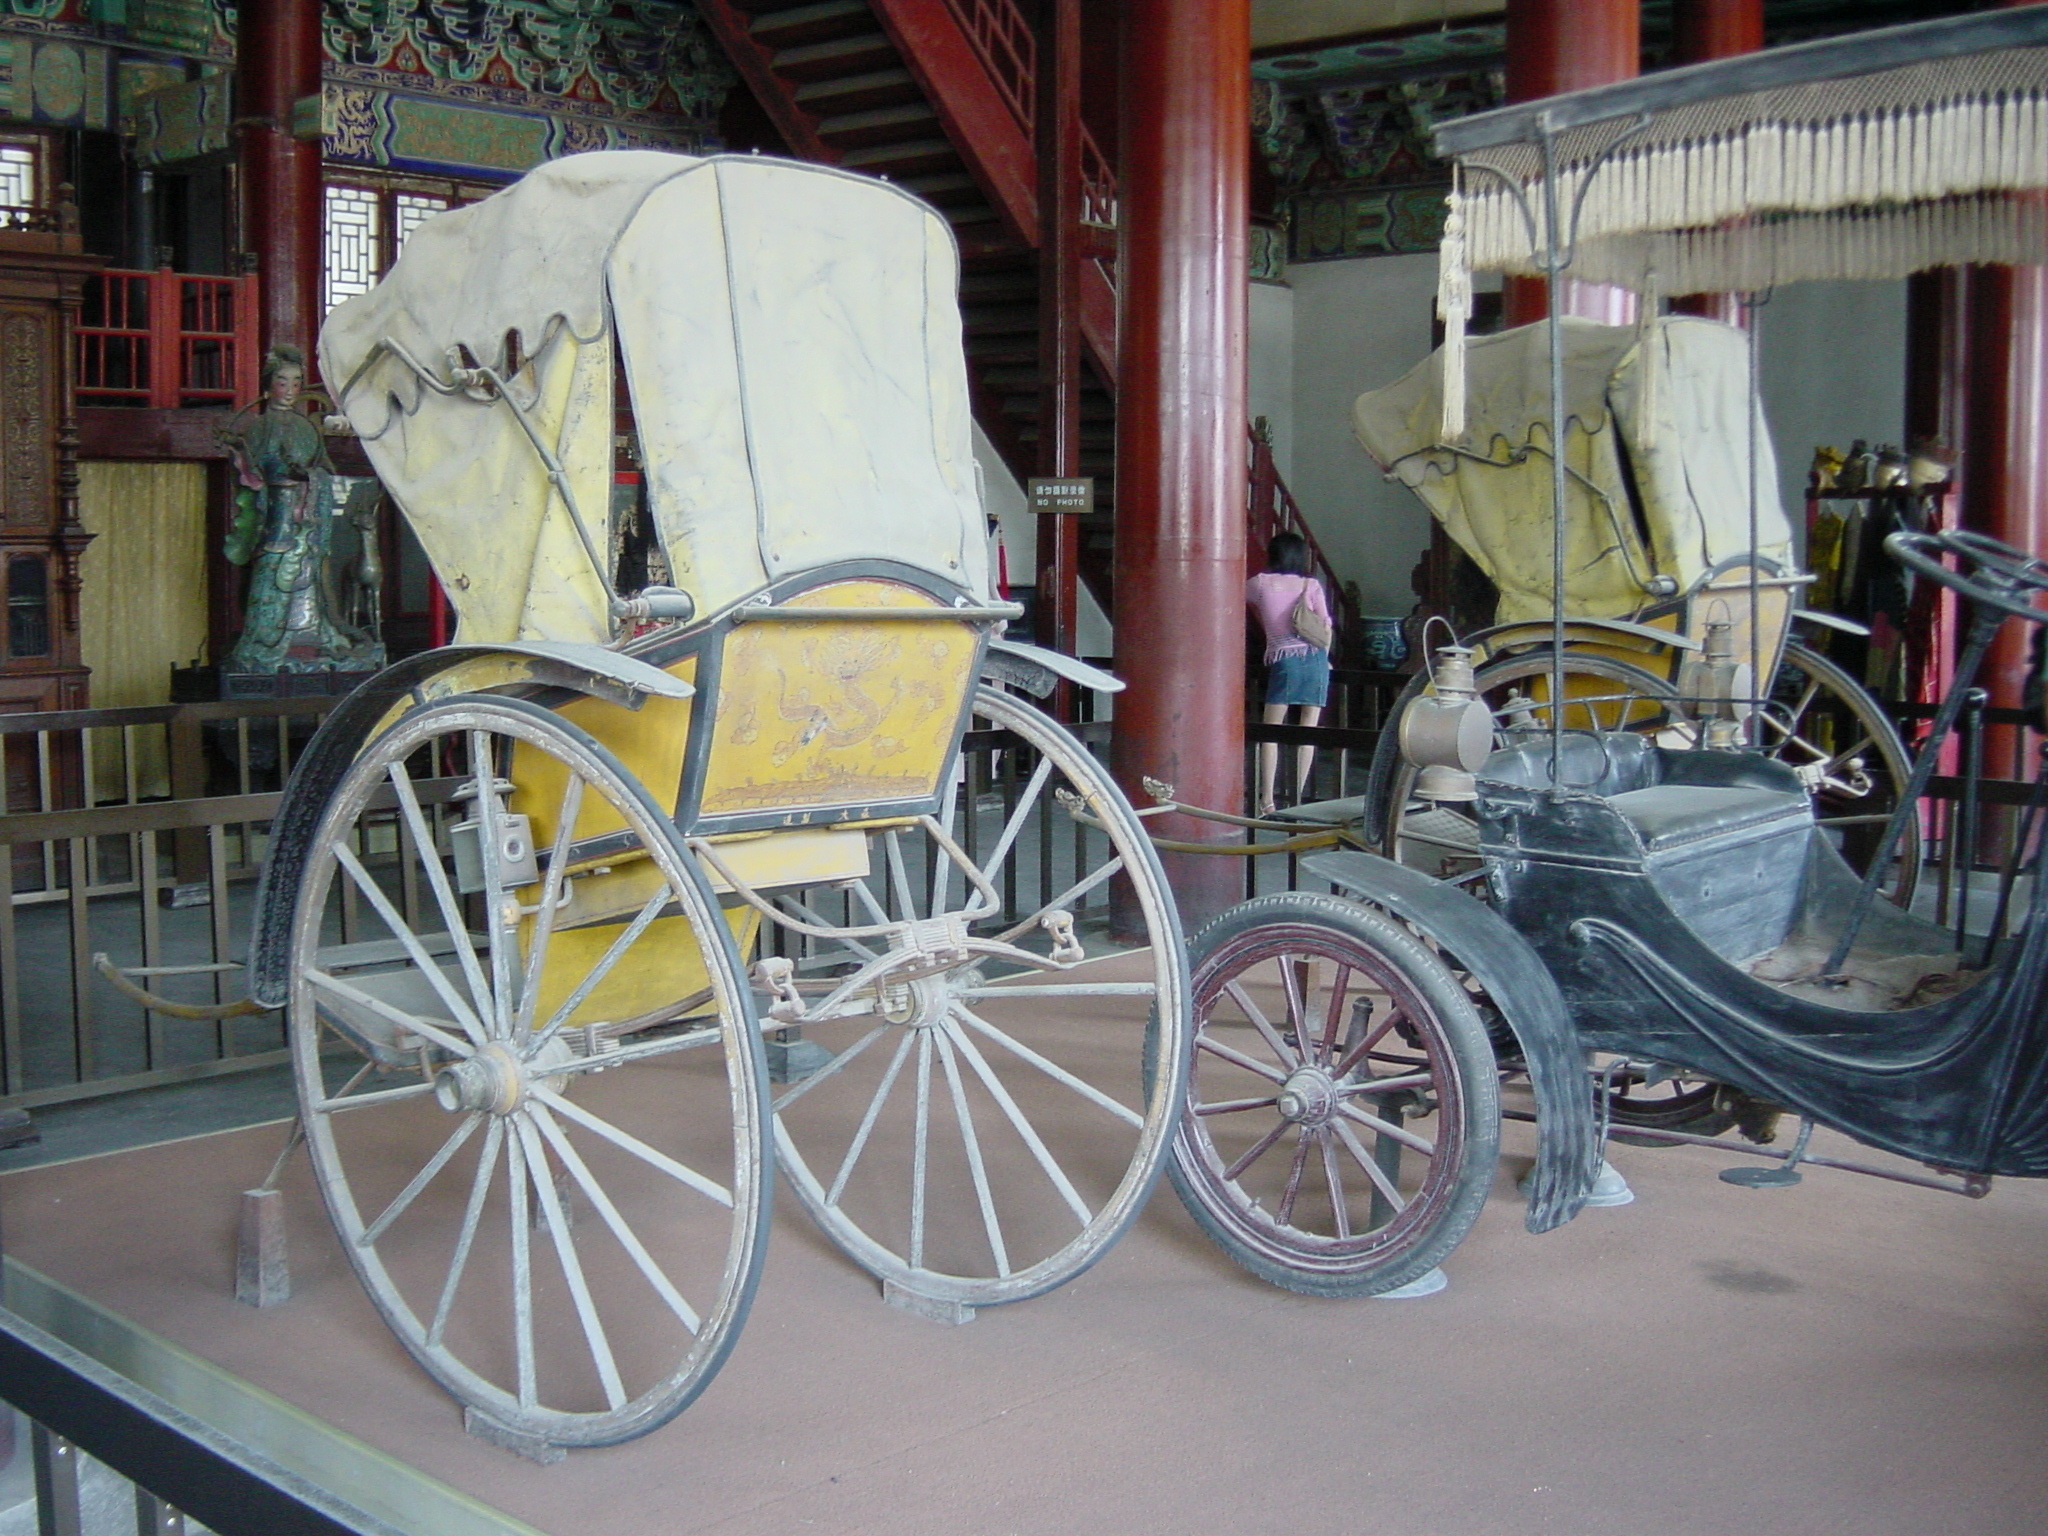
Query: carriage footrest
point(926, 1306)
point(506, 1438)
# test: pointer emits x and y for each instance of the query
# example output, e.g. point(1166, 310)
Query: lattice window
point(17, 175)
point(354, 226)
point(409, 210)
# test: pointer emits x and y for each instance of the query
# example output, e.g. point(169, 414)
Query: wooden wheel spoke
point(410, 1023)
point(1386, 1186)
point(823, 1073)
point(1033, 789)
point(403, 1200)
point(557, 1219)
point(1294, 970)
point(415, 951)
point(1051, 1069)
point(867, 1121)
point(1237, 1058)
point(797, 908)
point(1339, 990)
point(1234, 1106)
point(522, 1272)
point(1385, 1084)
point(1065, 900)
point(479, 1191)
point(1235, 991)
point(345, 1101)
point(1294, 1171)
point(627, 938)
point(608, 1212)
point(1340, 1213)
point(1258, 1150)
point(1361, 1051)
point(971, 1143)
point(1400, 1133)
point(550, 900)
point(899, 876)
point(632, 1144)
point(920, 1148)
point(1024, 1128)
point(437, 881)
point(490, 816)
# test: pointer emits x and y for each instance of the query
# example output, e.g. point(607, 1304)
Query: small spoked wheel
point(1343, 1111)
point(978, 1085)
point(530, 1076)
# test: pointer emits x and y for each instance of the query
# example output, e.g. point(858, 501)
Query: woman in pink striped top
point(1297, 673)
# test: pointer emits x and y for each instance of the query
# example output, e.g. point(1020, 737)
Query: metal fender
point(1036, 670)
point(1504, 963)
point(593, 670)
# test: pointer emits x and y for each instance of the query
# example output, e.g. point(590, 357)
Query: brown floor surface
point(1848, 1356)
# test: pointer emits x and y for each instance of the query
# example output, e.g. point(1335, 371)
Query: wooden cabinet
point(43, 270)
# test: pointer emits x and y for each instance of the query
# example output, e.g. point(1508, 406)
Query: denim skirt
point(1302, 677)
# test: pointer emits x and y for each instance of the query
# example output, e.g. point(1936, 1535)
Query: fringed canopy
point(1871, 156)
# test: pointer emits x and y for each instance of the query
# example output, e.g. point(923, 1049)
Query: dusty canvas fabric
point(1673, 396)
point(791, 339)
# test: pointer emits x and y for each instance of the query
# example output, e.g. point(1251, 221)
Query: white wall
point(1357, 325)
point(1834, 369)
point(1269, 369)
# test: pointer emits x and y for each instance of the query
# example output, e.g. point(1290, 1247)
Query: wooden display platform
point(1844, 1356)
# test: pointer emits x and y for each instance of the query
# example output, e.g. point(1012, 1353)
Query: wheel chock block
point(938, 1311)
point(263, 1277)
point(506, 1438)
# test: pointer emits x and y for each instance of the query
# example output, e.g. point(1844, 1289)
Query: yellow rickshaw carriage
point(586, 921)
point(1681, 583)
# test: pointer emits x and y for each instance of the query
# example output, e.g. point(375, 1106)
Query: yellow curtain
point(142, 598)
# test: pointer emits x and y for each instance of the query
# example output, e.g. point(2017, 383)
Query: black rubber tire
point(1436, 1021)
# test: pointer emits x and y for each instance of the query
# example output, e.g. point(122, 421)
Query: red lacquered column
point(277, 65)
point(1180, 455)
point(1556, 46)
point(2005, 446)
point(1715, 29)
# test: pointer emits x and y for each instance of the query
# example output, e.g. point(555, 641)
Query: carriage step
point(506, 1438)
point(1784, 1176)
point(938, 1311)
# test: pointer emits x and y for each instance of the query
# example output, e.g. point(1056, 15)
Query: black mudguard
point(1502, 961)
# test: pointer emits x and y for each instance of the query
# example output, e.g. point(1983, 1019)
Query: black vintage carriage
point(1642, 904)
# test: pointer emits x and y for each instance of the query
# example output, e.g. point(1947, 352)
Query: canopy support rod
point(465, 379)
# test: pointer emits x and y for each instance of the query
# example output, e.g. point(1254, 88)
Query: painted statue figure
point(283, 521)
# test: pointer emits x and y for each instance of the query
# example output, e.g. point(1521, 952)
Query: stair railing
point(1008, 46)
point(1271, 508)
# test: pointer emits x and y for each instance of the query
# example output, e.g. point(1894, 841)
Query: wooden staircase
point(940, 97)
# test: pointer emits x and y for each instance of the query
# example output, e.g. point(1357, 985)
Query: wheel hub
point(494, 1080)
point(491, 1081)
point(1308, 1097)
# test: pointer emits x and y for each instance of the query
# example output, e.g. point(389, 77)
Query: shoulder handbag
point(1308, 624)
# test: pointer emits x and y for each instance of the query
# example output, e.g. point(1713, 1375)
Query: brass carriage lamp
point(1447, 734)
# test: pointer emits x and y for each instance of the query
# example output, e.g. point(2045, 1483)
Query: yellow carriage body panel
point(628, 992)
point(649, 743)
point(832, 712)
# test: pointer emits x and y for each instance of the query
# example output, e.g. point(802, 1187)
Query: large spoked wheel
point(530, 1076)
point(1343, 1114)
point(1442, 838)
point(979, 1085)
point(1825, 724)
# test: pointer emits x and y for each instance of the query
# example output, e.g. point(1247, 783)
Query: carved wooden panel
point(27, 429)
